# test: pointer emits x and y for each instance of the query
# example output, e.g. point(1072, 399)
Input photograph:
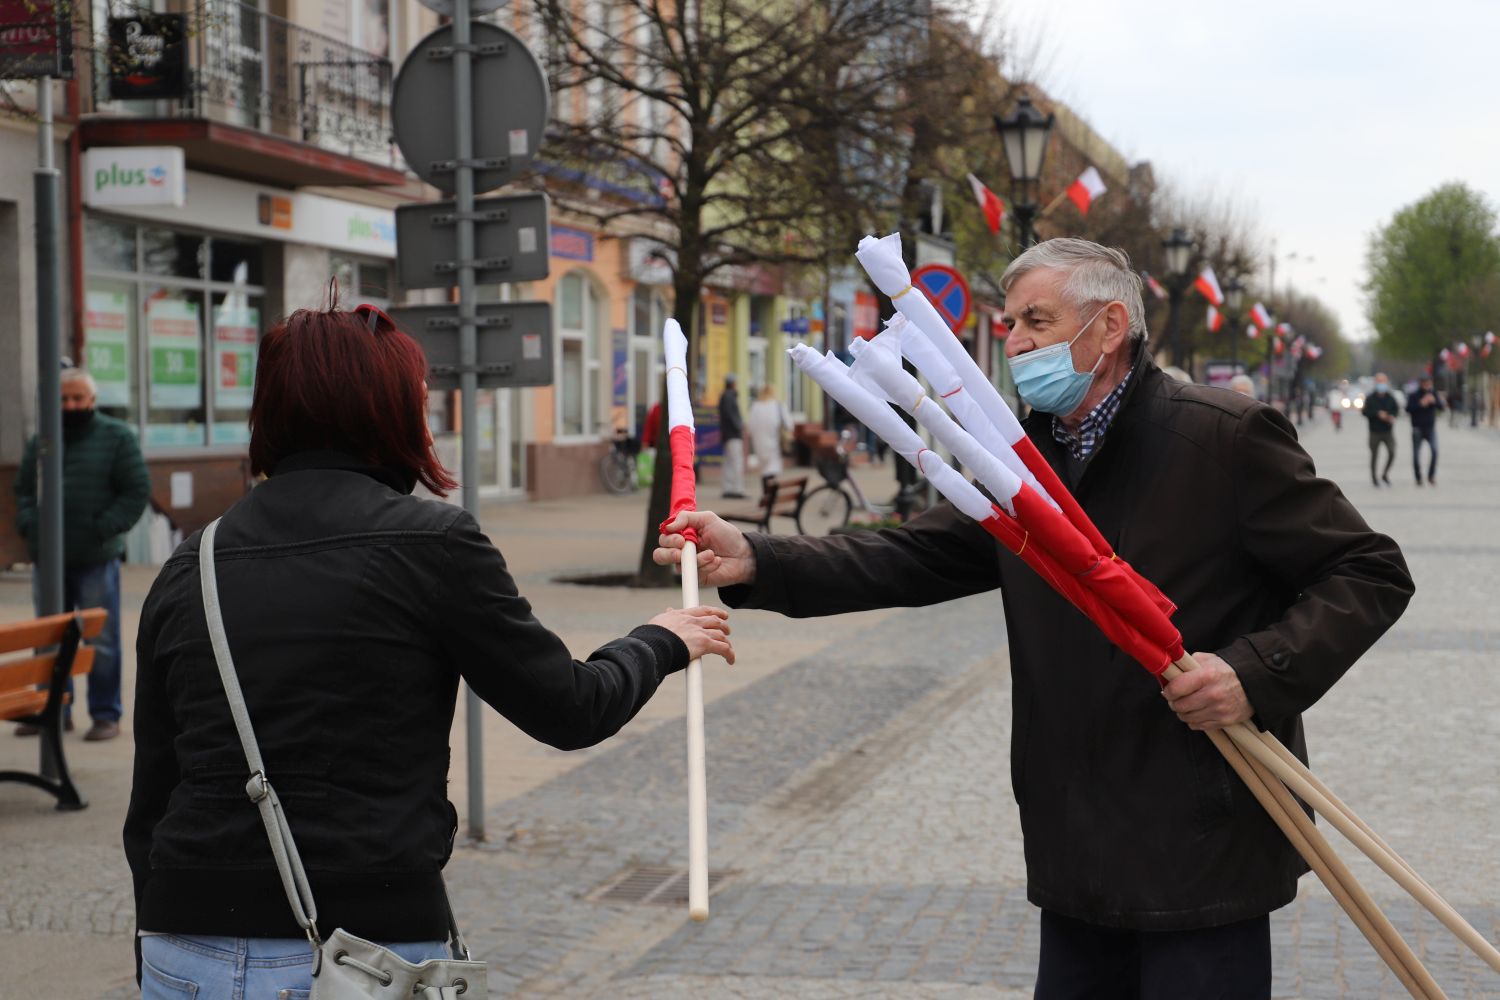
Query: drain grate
point(654, 885)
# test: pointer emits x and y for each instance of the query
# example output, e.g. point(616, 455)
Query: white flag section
point(674, 353)
point(922, 353)
point(879, 364)
point(881, 259)
point(876, 414)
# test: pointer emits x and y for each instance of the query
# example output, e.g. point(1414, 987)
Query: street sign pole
point(468, 347)
point(49, 439)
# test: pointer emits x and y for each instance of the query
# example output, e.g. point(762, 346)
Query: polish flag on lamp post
point(1085, 189)
point(1215, 320)
point(1153, 285)
point(1260, 316)
point(1208, 286)
point(989, 203)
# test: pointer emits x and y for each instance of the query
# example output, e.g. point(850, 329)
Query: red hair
point(343, 381)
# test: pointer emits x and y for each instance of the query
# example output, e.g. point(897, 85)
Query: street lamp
point(1024, 134)
point(1178, 248)
point(1234, 297)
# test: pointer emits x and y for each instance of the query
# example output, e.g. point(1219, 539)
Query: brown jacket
point(1130, 818)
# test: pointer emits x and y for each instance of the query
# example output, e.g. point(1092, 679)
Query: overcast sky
point(1322, 117)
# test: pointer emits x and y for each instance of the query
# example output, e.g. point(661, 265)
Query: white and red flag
point(1153, 285)
point(1463, 349)
point(1085, 189)
point(989, 203)
point(1489, 345)
point(1314, 352)
point(1252, 331)
point(1208, 286)
point(1215, 320)
point(1283, 329)
point(1260, 316)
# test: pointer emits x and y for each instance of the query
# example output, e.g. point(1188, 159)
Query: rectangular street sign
point(511, 241)
point(514, 340)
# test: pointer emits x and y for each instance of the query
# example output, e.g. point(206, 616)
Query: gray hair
point(1096, 275)
point(1243, 383)
point(79, 375)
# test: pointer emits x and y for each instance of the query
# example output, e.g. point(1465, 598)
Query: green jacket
point(105, 490)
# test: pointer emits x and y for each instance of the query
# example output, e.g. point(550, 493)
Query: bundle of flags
point(1034, 516)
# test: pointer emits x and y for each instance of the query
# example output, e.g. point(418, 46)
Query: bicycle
point(832, 504)
point(617, 467)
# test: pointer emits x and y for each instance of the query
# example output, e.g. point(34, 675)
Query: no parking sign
point(947, 290)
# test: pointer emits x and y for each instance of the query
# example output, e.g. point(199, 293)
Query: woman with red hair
point(352, 609)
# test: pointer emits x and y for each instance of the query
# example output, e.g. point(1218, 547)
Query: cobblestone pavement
point(860, 800)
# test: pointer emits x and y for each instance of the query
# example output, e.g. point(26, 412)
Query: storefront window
point(571, 386)
point(176, 411)
point(361, 280)
point(580, 403)
point(173, 343)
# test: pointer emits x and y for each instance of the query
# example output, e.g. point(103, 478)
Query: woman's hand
point(703, 629)
point(725, 558)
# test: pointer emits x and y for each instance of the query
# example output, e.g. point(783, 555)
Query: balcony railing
point(255, 70)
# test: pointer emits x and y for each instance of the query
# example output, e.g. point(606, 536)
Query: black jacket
point(731, 422)
point(1130, 818)
point(352, 610)
point(1378, 403)
point(1423, 417)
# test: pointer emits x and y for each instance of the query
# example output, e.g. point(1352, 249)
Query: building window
point(361, 280)
point(580, 406)
point(172, 326)
point(648, 313)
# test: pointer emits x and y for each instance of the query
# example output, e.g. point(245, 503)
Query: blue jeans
point(182, 967)
point(96, 586)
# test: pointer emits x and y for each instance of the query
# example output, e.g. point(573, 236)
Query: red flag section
point(684, 484)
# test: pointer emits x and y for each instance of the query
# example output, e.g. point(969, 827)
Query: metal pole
point(1175, 292)
point(468, 347)
point(49, 439)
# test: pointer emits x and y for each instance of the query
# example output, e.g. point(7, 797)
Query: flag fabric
point(1463, 350)
point(1208, 286)
point(1280, 347)
point(1153, 285)
point(989, 203)
point(1252, 331)
point(1260, 316)
point(1283, 329)
point(1215, 320)
point(684, 495)
point(1314, 352)
point(1085, 189)
point(1489, 344)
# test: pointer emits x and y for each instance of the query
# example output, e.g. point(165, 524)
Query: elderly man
point(1154, 868)
point(105, 490)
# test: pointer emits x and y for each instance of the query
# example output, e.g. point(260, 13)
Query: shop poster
point(172, 333)
point(106, 345)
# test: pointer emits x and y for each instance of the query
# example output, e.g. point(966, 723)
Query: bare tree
point(734, 132)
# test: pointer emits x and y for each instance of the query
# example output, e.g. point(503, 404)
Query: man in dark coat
point(105, 491)
point(1154, 867)
point(1381, 410)
point(732, 431)
point(1423, 408)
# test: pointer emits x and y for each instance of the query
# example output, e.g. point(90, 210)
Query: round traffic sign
point(947, 290)
point(509, 97)
point(476, 7)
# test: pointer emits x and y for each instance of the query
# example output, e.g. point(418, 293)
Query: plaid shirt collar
point(1091, 430)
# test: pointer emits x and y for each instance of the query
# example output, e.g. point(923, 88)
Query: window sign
point(106, 334)
point(236, 325)
point(172, 332)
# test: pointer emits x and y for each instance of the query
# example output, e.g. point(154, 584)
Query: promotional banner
point(236, 335)
point(175, 343)
point(147, 59)
point(106, 344)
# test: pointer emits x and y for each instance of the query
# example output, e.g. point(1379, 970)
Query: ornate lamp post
point(1179, 250)
point(1234, 297)
point(1024, 134)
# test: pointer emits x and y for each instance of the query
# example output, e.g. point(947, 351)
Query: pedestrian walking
point(1154, 868)
point(1423, 408)
point(1380, 411)
point(766, 424)
point(352, 609)
point(732, 432)
point(105, 490)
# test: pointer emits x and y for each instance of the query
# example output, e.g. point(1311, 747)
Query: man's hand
point(1209, 697)
point(725, 558)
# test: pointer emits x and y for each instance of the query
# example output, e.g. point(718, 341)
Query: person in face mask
point(1281, 586)
point(105, 491)
point(1381, 410)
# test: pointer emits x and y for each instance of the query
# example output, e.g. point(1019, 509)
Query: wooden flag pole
point(1053, 204)
point(1324, 861)
point(697, 770)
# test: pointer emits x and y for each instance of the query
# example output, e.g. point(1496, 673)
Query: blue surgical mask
point(1046, 378)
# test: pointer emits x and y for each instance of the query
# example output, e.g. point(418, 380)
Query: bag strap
point(283, 847)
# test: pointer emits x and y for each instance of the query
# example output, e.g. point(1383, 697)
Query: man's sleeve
point(26, 492)
point(1351, 582)
point(938, 556)
point(130, 489)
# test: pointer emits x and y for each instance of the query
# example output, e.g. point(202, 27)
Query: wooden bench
point(779, 497)
point(34, 689)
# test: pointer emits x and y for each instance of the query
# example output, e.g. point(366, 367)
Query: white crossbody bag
point(345, 967)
